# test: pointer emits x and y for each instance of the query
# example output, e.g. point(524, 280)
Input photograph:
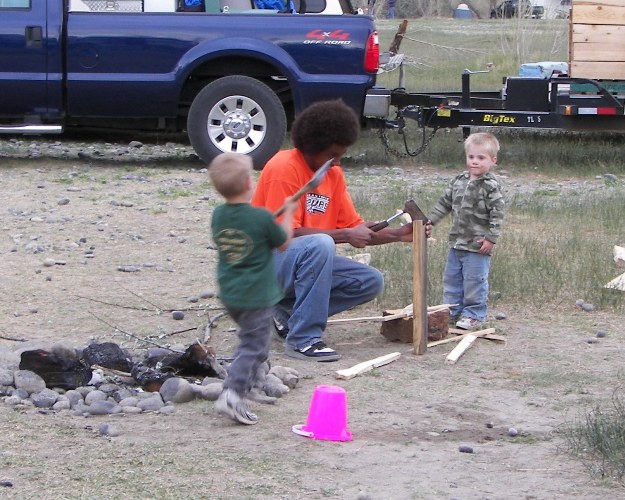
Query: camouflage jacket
point(476, 207)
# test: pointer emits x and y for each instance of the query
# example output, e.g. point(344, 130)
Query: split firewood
point(460, 334)
point(465, 343)
point(406, 312)
point(365, 366)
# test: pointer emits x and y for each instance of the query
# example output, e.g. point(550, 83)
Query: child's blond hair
point(485, 139)
point(229, 173)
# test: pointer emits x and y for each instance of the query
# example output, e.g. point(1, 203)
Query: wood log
point(366, 366)
point(399, 36)
point(402, 329)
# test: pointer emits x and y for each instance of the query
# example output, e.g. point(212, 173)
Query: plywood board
point(599, 52)
point(598, 70)
point(612, 3)
point(597, 14)
point(598, 33)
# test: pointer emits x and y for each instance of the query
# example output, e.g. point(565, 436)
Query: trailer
point(590, 96)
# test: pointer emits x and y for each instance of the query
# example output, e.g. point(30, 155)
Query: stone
point(6, 377)
point(167, 410)
point(463, 448)
point(94, 396)
point(177, 390)
point(102, 408)
point(29, 381)
point(177, 315)
point(44, 399)
point(153, 403)
point(130, 401)
point(9, 360)
point(209, 391)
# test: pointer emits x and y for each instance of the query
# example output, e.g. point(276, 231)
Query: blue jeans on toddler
point(465, 282)
point(317, 284)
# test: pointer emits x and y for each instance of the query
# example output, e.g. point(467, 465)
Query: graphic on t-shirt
point(234, 245)
point(317, 203)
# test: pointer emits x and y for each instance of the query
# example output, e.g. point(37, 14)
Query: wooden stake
point(419, 288)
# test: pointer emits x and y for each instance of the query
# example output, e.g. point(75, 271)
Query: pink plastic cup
point(327, 415)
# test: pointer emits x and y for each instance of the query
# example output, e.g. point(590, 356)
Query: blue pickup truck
point(232, 76)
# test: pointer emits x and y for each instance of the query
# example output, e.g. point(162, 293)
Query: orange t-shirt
point(329, 206)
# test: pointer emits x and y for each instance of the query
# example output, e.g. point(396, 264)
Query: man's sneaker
point(316, 352)
point(468, 323)
point(281, 329)
point(232, 406)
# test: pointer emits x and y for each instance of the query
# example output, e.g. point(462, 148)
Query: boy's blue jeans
point(465, 282)
point(317, 284)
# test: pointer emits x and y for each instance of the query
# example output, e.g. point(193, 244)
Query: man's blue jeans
point(317, 284)
point(465, 282)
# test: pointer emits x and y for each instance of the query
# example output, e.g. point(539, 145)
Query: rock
point(131, 401)
point(29, 381)
point(274, 387)
point(102, 408)
point(177, 390)
point(207, 294)
point(63, 201)
point(501, 316)
point(6, 377)
point(44, 399)
point(209, 391)
point(177, 315)
point(600, 334)
point(105, 429)
point(463, 448)
point(153, 403)
point(489, 425)
point(74, 397)
point(94, 396)
point(587, 307)
point(592, 340)
point(13, 400)
point(167, 410)
point(512, 432)
point(9, 360)
point(62, 405)
point(579, 302)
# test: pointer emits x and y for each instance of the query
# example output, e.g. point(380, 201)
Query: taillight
point(372, 53)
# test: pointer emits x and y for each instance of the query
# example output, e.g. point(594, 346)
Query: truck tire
point(237, 114)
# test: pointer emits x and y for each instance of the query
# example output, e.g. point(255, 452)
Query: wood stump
point(402, 329)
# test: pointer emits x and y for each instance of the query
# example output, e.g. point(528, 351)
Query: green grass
point(598, 439)
point(437, 52)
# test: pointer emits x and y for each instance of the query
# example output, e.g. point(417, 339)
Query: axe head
point(412, 209)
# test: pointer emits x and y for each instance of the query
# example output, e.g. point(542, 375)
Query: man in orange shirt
point(315, 281)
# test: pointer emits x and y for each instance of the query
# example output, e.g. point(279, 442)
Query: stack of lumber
point(597, 44)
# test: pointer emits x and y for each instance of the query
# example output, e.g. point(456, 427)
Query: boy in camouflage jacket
point(476, 204)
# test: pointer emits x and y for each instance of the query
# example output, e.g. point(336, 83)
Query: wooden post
point(419, 288)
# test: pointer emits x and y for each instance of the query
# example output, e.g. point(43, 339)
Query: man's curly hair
point(325, 123)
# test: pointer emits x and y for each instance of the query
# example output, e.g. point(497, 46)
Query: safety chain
point(399, 154)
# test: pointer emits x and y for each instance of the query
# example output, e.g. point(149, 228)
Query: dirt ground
point(99, 249)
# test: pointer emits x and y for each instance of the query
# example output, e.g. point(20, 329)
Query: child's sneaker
point(468, 323)
point(232, 406)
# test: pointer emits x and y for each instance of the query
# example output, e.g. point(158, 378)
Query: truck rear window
point(15, 4)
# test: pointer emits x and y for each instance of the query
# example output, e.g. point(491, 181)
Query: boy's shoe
point(281, 329)
point(316, 352)
point(232, 406)
point(468, 323)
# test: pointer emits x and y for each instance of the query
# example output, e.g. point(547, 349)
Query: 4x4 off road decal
point(336, 37)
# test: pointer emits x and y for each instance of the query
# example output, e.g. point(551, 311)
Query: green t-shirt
point(245, 237)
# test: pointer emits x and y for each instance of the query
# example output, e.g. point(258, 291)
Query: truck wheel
point(237, 114)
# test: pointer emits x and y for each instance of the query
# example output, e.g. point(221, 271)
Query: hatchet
point(410, 208)
point(314, 181)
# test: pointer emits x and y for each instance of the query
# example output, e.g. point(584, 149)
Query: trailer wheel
point(237, 114)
